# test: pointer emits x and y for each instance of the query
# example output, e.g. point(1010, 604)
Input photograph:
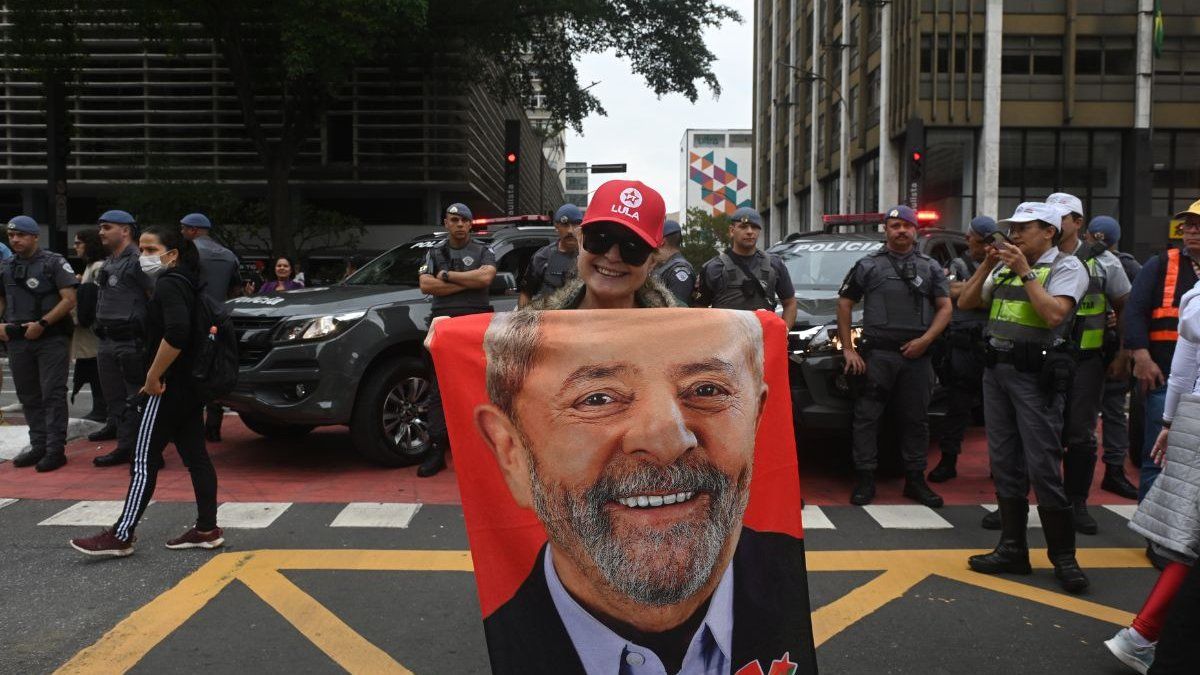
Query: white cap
point(1069, 202)
point(1028, 212)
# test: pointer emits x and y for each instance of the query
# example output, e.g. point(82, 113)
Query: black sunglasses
point(599, 239)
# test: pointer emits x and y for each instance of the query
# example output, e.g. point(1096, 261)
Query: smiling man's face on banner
point(635, 453)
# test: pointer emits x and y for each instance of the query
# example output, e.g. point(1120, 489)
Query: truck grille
point(254, 338)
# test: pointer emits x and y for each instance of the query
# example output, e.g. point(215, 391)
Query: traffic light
point(512, 171)
point(914, 164)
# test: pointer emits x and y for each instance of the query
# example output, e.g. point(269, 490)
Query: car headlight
point(316, 327)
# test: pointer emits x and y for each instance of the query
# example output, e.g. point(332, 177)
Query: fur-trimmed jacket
point(651, 294)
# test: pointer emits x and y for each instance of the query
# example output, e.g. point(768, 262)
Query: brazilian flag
point(1159, 32)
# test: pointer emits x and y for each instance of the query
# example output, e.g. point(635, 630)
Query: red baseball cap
point(630, 203)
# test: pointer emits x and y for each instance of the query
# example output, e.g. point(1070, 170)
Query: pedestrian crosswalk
point(398, 515)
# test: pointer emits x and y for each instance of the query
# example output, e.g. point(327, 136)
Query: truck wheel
point(273, 430)
point(391, 417)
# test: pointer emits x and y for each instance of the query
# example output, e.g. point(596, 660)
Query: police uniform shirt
point(549, 270)
point(124, 288)
point(1068, 277)
point(445, 257)
point(961, 271)
point(218, 269)
point(677, 275)
point(712, 278)
point(869, 274)
point(1116, 281)
point(31, 285)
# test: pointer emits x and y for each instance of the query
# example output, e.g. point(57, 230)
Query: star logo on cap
point(894, 214)
point(452, 209)
point(631, 197)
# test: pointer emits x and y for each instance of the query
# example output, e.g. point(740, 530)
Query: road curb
point(14, 439)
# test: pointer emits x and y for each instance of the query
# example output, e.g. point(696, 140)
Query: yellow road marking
point(126, 644)
point(329, 633)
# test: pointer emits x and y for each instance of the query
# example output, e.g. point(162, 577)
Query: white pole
point(988, 170)
point(1145, 64)
point(888, 184)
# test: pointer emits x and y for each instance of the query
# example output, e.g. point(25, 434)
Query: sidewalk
point(14, 438)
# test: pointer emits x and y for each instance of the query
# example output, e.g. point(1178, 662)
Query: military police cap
point(746, 214)
point(983, 226)
point(458, 209)
point(24, 224)
point(671, 227)
point(117, 217)
point(1107, 226)
point(196, 220)
point(903, 212)
point(568, 213)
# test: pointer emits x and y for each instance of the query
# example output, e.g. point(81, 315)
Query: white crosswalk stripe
point(98, 513)
point(815, 519)
point(1126, 511)
point(250, 515)
point(375, 514)
point(5, 502)
point(906, 517)
point(1035, 520)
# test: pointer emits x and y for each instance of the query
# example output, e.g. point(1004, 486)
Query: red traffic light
point(511, 157)
point(916, 155)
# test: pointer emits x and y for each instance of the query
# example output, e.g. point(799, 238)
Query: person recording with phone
point(1031, 290)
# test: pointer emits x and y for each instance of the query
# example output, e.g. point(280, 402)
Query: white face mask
point(152, 265)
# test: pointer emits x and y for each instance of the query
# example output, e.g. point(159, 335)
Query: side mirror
point(503, 283)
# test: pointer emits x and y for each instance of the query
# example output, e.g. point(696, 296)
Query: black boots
point(864, 491)
point(51, 461)
point(1116, 482)
point(1081, 520)
point(118, 456)
point(1060, 548)
point(917, 490)
point(1079, 463)
point(946, 469)
point(991, 521)
point(108, 433)
point(1012, 553)
point(29, 458)
point(435, 460)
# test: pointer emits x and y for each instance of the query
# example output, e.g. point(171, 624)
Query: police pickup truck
point(350, 353)
point(817, 262)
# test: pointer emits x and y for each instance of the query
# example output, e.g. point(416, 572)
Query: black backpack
point(215, 366)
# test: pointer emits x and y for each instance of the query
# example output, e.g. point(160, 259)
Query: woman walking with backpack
point(172, 411)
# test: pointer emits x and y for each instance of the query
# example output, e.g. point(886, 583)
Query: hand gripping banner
point(630, 488)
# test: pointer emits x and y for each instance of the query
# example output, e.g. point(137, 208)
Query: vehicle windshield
point(822, 265)
point(398, 267)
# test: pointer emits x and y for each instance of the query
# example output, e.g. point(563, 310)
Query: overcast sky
point(644, 131)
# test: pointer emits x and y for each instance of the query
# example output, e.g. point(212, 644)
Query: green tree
point(704, 236)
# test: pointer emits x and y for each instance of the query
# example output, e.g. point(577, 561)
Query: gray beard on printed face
point(656, 567)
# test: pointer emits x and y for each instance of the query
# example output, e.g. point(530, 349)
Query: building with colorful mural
point(716, 170)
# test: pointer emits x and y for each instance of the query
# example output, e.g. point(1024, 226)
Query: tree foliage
point(704, 236)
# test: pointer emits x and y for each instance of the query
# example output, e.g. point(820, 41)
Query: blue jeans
point(1155, 400)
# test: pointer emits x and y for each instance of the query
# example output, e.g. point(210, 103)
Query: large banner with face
point(630, 488)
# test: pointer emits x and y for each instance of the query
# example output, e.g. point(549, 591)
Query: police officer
point(1106, 231)
point(1108, 287)
point(36, 298)
point(906, 307)
point(673, 270)
point(458, 273)
point(120, 314)
point(743, 277)
point(221, 280)
point(962, 365)
point(553, 265)
point(1031, 290)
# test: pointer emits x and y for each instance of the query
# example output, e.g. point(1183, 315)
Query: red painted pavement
point(324, 467)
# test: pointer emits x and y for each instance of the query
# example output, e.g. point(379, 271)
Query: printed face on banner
point(630, 488)
point(636, 460)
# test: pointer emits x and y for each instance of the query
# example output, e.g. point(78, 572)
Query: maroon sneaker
point(194, 538)
point(104, 544)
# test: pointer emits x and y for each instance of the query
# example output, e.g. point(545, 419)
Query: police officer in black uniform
point(36, 298)
point(907, 306)
point(221, 280)
point(458, 274)
point(673, 270)
point(120, 314)
point(553, 265)
point(961, 368)
point(743, 277)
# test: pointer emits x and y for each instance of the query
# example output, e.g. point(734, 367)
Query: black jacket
point(770, 614)
point(169, 317)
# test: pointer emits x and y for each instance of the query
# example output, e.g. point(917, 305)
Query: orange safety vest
point(1164, 319)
